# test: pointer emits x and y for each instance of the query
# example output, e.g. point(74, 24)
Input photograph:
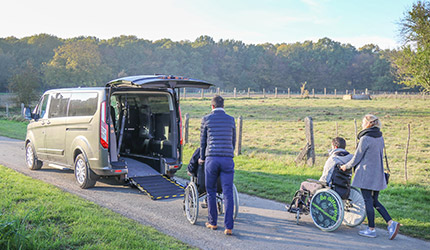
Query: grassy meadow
point(273, 135)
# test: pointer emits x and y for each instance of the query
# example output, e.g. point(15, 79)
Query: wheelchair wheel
point(220, 203)
point(355, 210)
point(191, 202)
point(236, 202)
point(326, 209)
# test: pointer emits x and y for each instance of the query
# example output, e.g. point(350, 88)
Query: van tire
point(31, 159)
point(83, 172)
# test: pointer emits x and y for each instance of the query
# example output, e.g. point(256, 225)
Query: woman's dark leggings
point(371, 201)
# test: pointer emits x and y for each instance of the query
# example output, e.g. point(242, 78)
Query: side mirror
point(27, 113)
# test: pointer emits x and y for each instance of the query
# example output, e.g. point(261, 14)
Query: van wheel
point(30, 158)
point(83, 172)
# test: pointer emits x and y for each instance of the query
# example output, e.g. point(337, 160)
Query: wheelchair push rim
point(326, 209)
point(355, 210)
point(191, 202)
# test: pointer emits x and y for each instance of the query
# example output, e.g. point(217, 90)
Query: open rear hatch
point(159, 82)
point(143, 173)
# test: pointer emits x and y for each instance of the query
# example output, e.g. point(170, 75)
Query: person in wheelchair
point(197, 171)
point(337, 156)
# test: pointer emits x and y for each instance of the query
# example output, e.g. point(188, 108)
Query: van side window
point(83, 104)
point(41, 107)
point(58, 105)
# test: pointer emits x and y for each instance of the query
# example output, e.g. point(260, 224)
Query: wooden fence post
point(354, 92)
point(367, 92)
point(346, 92)
point(325, 92)
point(288, 92)
point(264, 93)
point(7, 110)
point(203, 95)
point(185, 93)
point(217, 91)
point(406, 152)
point(308, 152)
point(22, 110)
point(334, 92)
point(239, 135)
point(249, 92)
point(313, 93)
point(276, 92)
point(234, 92)
point(186, 126)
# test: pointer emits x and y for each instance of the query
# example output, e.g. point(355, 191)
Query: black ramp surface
point(158, 187)
point(137, 168)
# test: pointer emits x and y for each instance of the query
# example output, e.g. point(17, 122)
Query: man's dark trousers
point(224, 168)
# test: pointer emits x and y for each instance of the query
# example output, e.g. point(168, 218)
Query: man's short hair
point(217, 101)
point(339, 142)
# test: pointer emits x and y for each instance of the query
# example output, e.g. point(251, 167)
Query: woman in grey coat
point(369, 174)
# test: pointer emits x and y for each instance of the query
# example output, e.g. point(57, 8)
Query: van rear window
point(83, 104)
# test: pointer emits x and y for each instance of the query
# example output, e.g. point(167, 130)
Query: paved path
point(261, 224)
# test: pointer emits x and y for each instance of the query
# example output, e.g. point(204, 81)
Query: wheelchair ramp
point(137, 168)
point(158, 187)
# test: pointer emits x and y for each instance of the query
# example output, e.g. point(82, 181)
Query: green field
point(49, 218)
point(273, 134)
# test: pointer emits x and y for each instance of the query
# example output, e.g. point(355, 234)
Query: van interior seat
point(161, 144)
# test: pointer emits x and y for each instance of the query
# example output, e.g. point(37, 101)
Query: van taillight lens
point(180, 126)
point(104, 128)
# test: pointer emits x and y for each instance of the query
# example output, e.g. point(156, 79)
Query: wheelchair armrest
point(323, 183)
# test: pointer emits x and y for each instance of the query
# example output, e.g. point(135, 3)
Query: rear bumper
point(114, 169)
point(107, 171)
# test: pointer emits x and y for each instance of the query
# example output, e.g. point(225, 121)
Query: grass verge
point(13, 129)
point(48, 218)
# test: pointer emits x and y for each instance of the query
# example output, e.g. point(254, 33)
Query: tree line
point(51, 62)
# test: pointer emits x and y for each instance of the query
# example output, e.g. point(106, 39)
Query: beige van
point(129, 128)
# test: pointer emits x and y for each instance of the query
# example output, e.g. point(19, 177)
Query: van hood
point(159, 82)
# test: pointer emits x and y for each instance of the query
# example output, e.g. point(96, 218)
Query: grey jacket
point(331, 162)
point(368, 160)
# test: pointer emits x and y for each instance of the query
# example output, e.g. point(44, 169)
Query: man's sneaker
point(228, 232)
point(393, 229)
point(368, 233)
point(208, 225)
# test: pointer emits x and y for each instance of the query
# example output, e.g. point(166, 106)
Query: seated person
point(193, 166)
point(197, 170)
point(337, 155)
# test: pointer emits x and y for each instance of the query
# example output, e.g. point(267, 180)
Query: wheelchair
point(195, 192)
point(331, 205)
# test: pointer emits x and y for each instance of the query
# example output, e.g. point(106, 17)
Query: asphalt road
point(261, 224)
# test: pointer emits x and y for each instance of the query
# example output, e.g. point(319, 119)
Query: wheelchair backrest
point(341, 181)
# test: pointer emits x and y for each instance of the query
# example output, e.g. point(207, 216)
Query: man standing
point(217, 141)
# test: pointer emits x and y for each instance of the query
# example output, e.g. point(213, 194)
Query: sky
point(357, 22)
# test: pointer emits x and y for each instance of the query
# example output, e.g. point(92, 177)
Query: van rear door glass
point(83, 104)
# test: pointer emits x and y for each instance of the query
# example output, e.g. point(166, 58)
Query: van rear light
point(104, 128)
point(173, 166)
